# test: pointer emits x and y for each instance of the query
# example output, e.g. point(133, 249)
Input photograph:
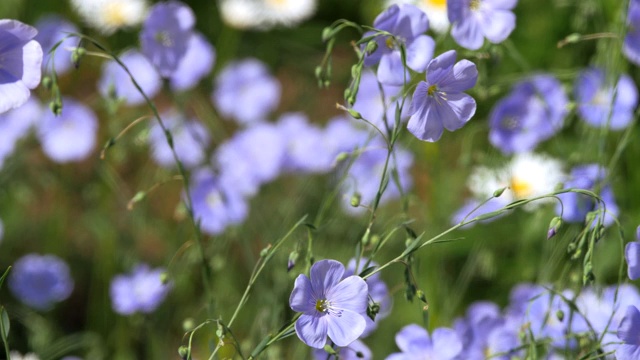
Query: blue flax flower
point(407, 24)
point(531, 113)
point(141, 291)
point(629, 332)
point(632, 255)
point(15, 124)
point(51, 30)
point(373, 98)
point(165, 35)
point(474, 20)
point(20, 63)
point(602, 105)
point(415, 343)
point(40, 281)
point(330, 305)
point(440, 102)
point(190, 139)
point(631, 45)
point(195, 64)
point(306, 150)
point(115, 82)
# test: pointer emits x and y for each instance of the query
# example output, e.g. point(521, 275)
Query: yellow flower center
point(390, 43)
point(474, 5)
point(521, 188)
point(322, 305)
point(442, 4)
point(115, 15)
point(431, 90)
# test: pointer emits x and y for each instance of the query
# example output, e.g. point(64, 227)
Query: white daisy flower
point(107, 16)
point(436, 11)
point(17, 356)
point(240, 14)
point(266, 14)
point(526, 176)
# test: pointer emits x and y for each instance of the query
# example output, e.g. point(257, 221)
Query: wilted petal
point(312, 330)
point(346, 328)
point(302, 299)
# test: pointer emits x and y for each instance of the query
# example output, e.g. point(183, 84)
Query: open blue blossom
point(533, 112)
point(216, 205)
point(631, 45)
point(115, 83)
point(415, 343)
point(330, 305)
point(165, 35)
point(602, 105)
point(474, 20)
point(51, 30)
point(246, 91)
point(357, 350)
point(574, 206)
point(195, 64)
point(629, 332)
point(141, 291)
point(407, 24)
point(15, 124)
point(40, 281)
point(190, 140)
point(20, 63)
point(440, 102)
point(70, 136)
point(632, 256)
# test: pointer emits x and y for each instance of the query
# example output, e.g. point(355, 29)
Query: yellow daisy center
point(115, 15)
point(442, 4)
point(521, 188)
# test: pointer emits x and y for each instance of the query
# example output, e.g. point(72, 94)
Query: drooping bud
point(554, 226)
point(183, 351)
point(560, 315)
point(355, 199)
point(293, 256)
point(76, 56)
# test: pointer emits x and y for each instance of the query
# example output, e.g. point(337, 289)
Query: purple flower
point(71, 136)
point(378, 293)
point(631, 45)
point(415, 343)
point(600, 105)
point(357, 350)
point(115, 82)
point(330, 305)
point(305, 148)
point(370, 102)
point(245, 91)
point(194, 65)
point(629, 332)
point(51, 30)
point(408, 24)
point(574, 206)
point(141, 291)
point(215, 204)
point(40, 281)
point(20, 63)
point(632, 255)
point(190, 139)
point(165, 35)
point(474, 20)
point(440, 102)
point(531, 113)
point(15, 124)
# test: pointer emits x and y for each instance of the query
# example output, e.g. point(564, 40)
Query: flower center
point(432, 89)
point(214, 199)
point(474, 5)
point(521, 188)
point(510, 123)
point(164, 39)
point(115, 15)
point(322, 305)
point(442, 4)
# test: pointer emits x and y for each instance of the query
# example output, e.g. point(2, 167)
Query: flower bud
point(183, 351)
point(499, 192)
point(554, 226)
point(355, 199)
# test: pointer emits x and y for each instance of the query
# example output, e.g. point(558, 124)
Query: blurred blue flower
point(141, 291)
point(632, 256)
point(330, 305)
point(533, 112)
point(574, 207)
point(472, 209)
point(407, 24)
point(631, 45)
point(342, 135)
point(357, 350)
point(629, 332)
point(196, 63)
point(306, 150)
point(371, 102)
point(440, 102)
point(216, 205)
point(190, 140)
point(51, 30)
point(71, 136)
point(15, 124)
point(40, 281)
point(165, 35)
point(115, 83)
point(246, 91)
point(602, 105)
point(415, 343)
point(474, 20)
point(378, 293)
point(20, 63)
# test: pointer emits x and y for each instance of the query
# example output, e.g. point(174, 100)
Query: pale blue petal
point(440, 67)
point(425, 124)
point(632, 254)
point(456, 110)
point(446, 343)
point(463, 77)
point(413, 339)
point(629, 328)
point(325, 274)
point(498, 25)
point(32, 64)
point(420, 52)
point(12, 94)
point(390, 70)
point(350, 294)
point(312, 330)
point(302, 299)
point(628, 352)
point(500, 4)
point(468, 33)
point(346, 328)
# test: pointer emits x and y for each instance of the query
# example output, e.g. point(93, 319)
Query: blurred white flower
point(436, 11)
point(17, 356)
point(266, 14)
point(107, 16)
